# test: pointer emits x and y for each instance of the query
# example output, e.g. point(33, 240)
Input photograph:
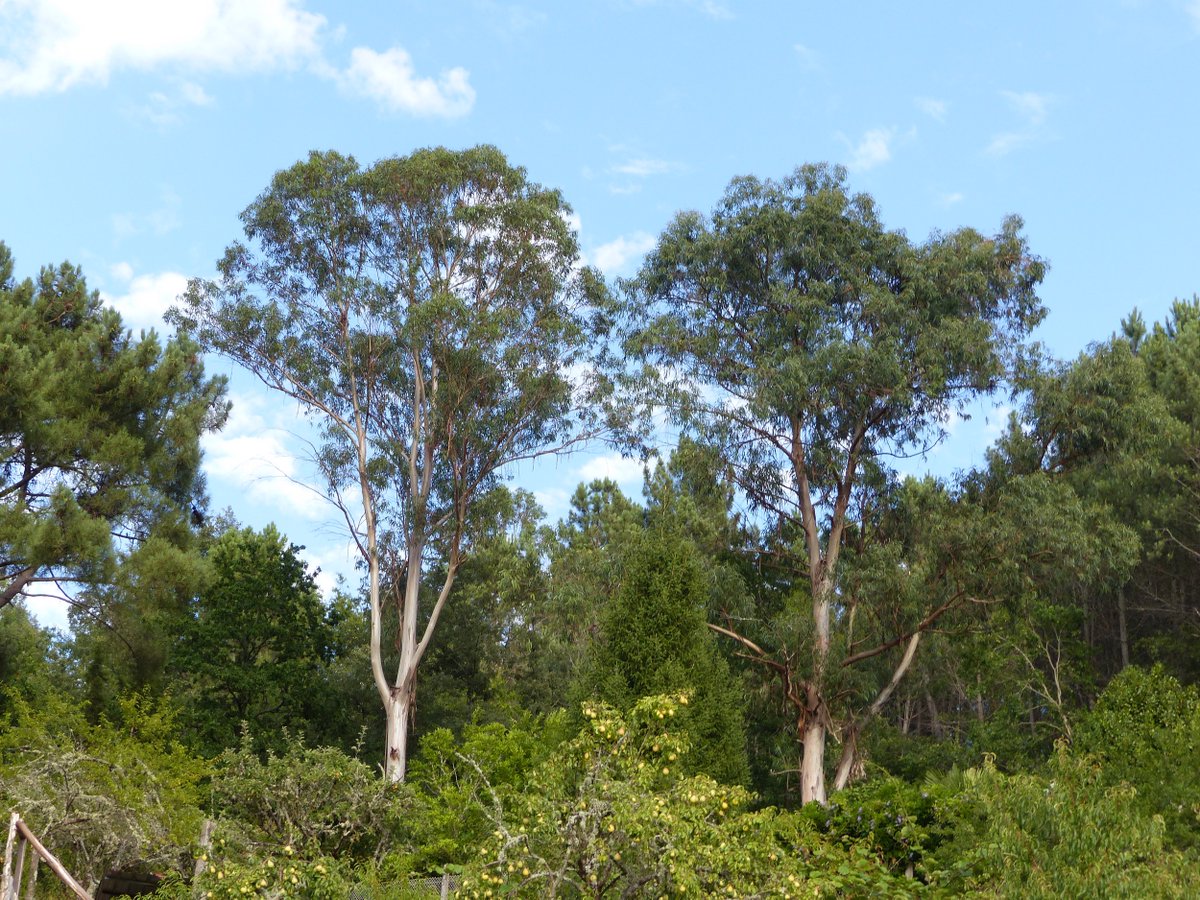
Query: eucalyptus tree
point(99, 435)
point(428, 314)
point(794, 331)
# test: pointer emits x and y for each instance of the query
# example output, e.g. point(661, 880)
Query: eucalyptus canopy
point(796, 333)
point(428, 314)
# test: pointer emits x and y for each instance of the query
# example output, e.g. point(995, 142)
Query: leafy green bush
point(610, 814)
point(276, 872)
point(320, 802)
point(1145, 730)
point(454, 782)
point(106, 795)
point(897, 820)
point(1063, 834)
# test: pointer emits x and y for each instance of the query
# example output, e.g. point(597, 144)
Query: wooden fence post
point(51, 860)
point(206, 832)
point(7, 889)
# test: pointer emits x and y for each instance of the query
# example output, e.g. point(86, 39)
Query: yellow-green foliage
point(610, 815)
point(1062, 834)
point(106, 795)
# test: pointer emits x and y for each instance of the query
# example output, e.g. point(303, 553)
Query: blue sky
point(133, 132)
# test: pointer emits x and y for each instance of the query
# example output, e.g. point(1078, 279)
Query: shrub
point(1066, 833)
point(320, 802)
point(1145, 730)
point(102, 796)
point(610, 814)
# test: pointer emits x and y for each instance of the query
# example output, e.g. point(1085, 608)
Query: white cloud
point(147, 297)
point(625, 471)
point(555, 502)
point(252, 456)
point(49, 606)
point(1007, 142)
point(121, 271)
point(614, 257)
point(951, 199)
point(332, 560)
point(874, 149)
point(809, 58)
point(935, 109)
point(390, 79)
point(1029, 104)
point(643, 167)
point(1192, 8)
point(52, 45)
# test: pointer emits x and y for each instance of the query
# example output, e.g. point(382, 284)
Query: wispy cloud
point(635, 168)
point(511, 20)
point(167, 107)
point(643, 167)
point(711, 8)
point(935, 109)
point(1192, 8)
point(1029, 104)
point(951, 199)
point(614, 258)
point(809, 58)
point(873, 149)
point(161, 220)
point(54, 45)
point(1006, 142)
point(1034, 109)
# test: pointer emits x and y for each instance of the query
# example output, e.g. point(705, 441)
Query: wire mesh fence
point(429, 886)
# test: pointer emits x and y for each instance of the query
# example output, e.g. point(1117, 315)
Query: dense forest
point(786, 669)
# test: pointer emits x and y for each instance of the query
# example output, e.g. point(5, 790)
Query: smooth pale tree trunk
point(399, 712)
point(813, 725)
point(812, 763)
point(399, 697)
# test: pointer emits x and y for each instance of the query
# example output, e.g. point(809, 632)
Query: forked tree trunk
point(850, 765)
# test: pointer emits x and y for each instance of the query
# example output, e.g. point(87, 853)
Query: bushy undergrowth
point(610, 814)
point(1062, 833)
point(1145, 730)
point(103, 795)
point(532, 811)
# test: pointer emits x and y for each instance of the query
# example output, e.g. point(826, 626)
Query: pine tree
point(654, 640)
